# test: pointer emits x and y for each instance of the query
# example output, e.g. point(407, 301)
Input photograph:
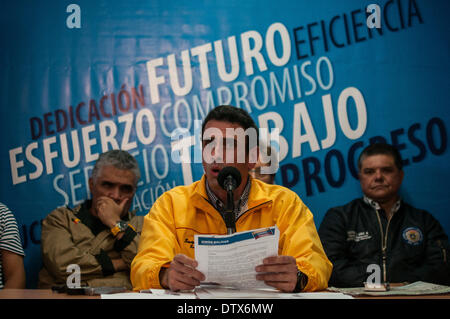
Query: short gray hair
point(119, 159)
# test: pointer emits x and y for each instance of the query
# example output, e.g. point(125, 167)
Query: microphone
point(229, 179)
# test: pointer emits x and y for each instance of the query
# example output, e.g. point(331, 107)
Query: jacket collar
point(93, 223)
point(258, 195)
point(85, 216)
point(377, 206)
point(240, 204)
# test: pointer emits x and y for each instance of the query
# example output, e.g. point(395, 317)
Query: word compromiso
point(37, 158)
point(303, 131)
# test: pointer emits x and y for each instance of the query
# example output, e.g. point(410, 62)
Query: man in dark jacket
point(406, 244)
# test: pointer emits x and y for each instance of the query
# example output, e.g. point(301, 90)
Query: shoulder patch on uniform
point(412, 236)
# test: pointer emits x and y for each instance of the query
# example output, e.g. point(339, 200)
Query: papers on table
point(213, 292)
point(417, 288)
point(229, 263)
point(217, 292)
point(230, 260)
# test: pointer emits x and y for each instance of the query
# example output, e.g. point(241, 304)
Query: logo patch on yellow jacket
point(191, 242)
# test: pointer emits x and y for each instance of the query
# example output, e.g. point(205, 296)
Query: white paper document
point(230, 260)
point(208, 292)
point(417, 288)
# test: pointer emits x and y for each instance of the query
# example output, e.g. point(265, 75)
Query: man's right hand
point(108, 211)
point(181, 274)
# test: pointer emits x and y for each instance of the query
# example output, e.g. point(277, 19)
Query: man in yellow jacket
point(165, 255)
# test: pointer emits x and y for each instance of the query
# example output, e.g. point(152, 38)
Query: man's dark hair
point(228, 113)
point(381, 149)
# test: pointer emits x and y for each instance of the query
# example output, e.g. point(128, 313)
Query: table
point(48, 294)
point(23, 302)
point(39, 294)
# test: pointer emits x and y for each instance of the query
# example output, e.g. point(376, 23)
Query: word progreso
point(332, 170)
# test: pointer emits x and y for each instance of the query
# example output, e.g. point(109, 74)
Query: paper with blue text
point(230, 260)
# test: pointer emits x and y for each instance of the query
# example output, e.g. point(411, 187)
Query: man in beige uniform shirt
point(100, 236)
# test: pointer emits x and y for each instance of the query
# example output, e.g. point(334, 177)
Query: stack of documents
point(210, 292)
point(415, 289)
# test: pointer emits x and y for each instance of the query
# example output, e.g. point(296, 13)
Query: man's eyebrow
point(106, 181)
point(382, 167)
point(224, 138)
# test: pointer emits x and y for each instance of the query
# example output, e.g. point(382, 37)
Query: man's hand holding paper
point(279, 272)
point(181, 274)
point(245, 260)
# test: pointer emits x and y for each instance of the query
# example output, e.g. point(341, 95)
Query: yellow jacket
point(184, 211)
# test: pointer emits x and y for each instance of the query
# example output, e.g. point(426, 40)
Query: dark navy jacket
point(417, 247)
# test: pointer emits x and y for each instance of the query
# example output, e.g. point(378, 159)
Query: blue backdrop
point(79, 80)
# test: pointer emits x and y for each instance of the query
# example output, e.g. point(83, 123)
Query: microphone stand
point(229, 210)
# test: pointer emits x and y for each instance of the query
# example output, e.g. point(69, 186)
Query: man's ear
point(91, 184)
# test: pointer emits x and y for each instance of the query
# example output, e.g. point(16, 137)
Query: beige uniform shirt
point(74, 236)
